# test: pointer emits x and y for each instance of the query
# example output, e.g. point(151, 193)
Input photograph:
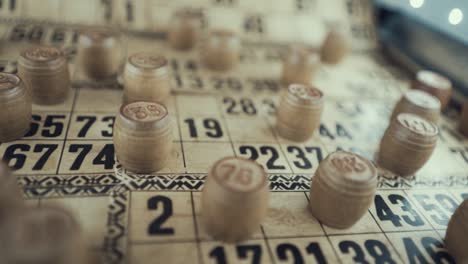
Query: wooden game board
point(68, 156)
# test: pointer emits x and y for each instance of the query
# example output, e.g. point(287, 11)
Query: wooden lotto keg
point(44, 70)
point(335, 46)
point(234, 199)
point(15, 101)
point(407, 144)
point(146, 78)
point(45, 235)
point(463, 123)
point(419, 103)
point(300, 65)
point(11, 198)
point(143, 136)
point(299, 112)
point(221, 50)
point(435, 84)
point(183, 29)
point(342, 189)
point(99, 52)
point(456, 237)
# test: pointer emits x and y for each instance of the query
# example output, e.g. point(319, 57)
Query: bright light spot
point(416, 3)
point(455, 16)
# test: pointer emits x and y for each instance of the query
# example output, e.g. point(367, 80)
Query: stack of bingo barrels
point(407, 144)
point(342, 189)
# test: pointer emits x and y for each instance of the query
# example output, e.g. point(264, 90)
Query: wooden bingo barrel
point(456, 237)
point(419, 103)
point(183, 29)
point(221, 50)
point(342, 189)
point(335, 46)
point(299, 112)
point(98, 53)
point(11, 198)
point(234, 199)
point(300, 65)
point(44, 70)
point(146, 77)
point(15, 101)
point(435, 84)
point(463, 123)
point(407, 144)
point(143, 136)
point(42, 235)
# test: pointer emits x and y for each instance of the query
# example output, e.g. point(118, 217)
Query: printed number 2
point(155, 226)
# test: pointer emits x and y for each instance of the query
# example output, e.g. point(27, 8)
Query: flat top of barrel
point(433, 79)
point(305, 92)
point(301, 53)
point(143, 111)
point(417, 124)
point(189, 13)
point(42, 54)
point(352, 166)
point(8, 81)
point(239, 174)
point(422, 99)
point(223, 33)
point(97, 35)
point(147, 60)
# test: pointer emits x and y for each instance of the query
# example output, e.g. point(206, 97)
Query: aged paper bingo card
point(68, 157)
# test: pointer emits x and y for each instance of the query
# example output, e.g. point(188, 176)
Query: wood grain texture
point(44, 70)
point(300, 65)
point(456, 236)
point(342, 189)
point(435, 84)
point(146, 78)
point(143, 136)
point(407, 144)
point(234, 199)
point(99, 53)
point(15, 102)
point(49, 234)
point(221, 50)
point(299, 112)
point(419, 103)
point(335, 47)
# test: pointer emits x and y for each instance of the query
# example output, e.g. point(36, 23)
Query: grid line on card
point(419, 211)
point(385, 234)
point(267, 244)
point(195, 225)
point(325, 233)
point(176, 105)
point(75, 96)
point(224, 120)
